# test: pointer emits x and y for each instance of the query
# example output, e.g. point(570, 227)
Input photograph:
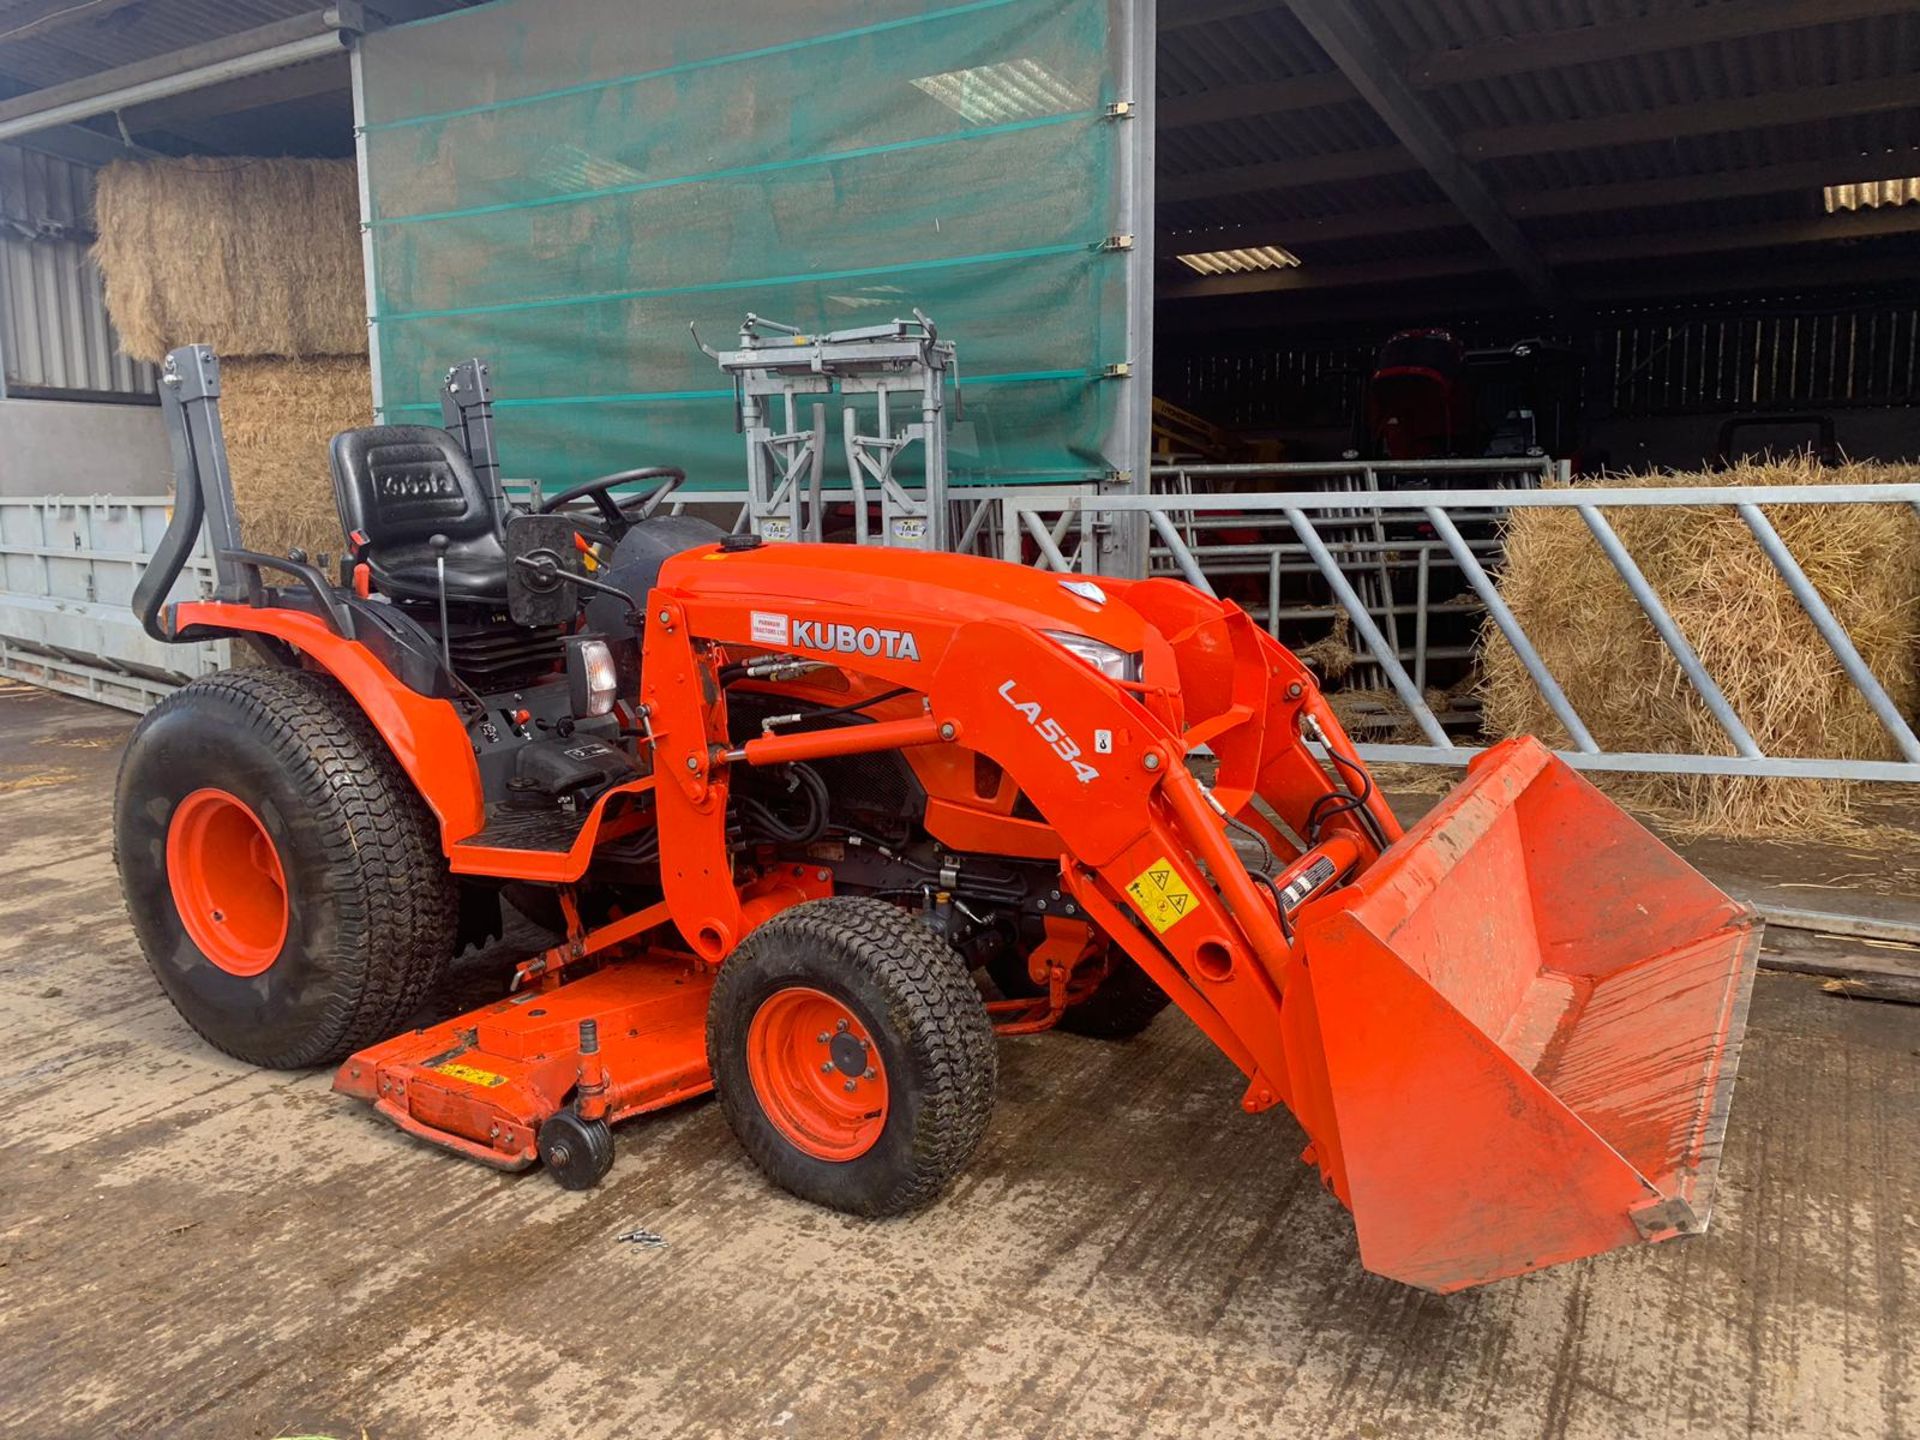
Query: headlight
point(592, 682)
point(1109, 660)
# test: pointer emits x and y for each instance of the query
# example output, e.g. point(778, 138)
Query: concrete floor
point(192, 1248)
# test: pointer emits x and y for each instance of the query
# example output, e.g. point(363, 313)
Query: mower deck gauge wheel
point(577, 1153)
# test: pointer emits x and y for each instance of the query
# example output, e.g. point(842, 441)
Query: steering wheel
point(623, 514)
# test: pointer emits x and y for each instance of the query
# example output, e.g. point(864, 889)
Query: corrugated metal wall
point(1308, 383)
point(54, 331)
point(1669, 361)
point(1819, 359)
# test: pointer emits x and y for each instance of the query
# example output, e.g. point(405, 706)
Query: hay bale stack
point(261, 260)
point(1751, 635)
point(279, 417)
point(250, 256)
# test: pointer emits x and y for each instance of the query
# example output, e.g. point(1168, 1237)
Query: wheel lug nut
point(840, 1025)
point(824, 1037)
point(827, 1068)
point(868, 1073)
point(851, 1085)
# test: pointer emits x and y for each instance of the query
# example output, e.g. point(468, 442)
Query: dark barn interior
point(1706, 212)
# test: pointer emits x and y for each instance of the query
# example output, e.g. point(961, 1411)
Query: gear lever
point(438, 544)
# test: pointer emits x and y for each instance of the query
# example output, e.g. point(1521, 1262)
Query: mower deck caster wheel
point(577, 1153)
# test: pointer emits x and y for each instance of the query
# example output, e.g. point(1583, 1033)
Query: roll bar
point(203, 491)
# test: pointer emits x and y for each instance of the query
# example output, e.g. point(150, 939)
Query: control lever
point(438, 544)
point(546, 573)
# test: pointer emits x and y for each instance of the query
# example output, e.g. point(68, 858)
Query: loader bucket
point(1528, 1013)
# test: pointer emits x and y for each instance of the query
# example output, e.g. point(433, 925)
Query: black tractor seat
point(401, 485)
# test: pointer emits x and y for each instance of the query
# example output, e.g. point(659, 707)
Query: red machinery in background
point(1429, 397)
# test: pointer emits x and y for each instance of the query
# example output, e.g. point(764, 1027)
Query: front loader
point(812, 824)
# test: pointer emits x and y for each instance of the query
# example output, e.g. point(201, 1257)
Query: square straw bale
point(1778, 674)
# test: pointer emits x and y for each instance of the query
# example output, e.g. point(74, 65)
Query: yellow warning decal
point(472, 1074)
point(1163, 897)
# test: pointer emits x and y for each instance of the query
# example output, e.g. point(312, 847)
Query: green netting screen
point(561, 186)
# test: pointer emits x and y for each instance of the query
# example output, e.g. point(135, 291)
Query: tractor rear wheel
point(282, 875)
point(852, 1055)
point(1120, 1007)
point(1123, 1004)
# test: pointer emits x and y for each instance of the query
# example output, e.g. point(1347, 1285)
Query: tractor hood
point(837, 593)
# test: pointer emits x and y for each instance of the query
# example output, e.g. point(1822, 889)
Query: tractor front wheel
point(281, 873)
point(852, 1055)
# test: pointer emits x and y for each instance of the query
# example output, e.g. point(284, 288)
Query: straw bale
point(279, 417)
point(1752, 637)
point(250, 256)
point(1331, 657)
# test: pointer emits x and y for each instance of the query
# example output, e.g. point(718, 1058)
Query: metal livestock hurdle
point(1377, 548)
point(68, 565)
point(1048, 520)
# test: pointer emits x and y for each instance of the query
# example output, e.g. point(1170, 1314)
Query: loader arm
point(1103, 761)
point(1499, 1062)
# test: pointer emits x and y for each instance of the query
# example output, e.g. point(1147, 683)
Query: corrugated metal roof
point(42, 47)
point(1257, 139)
point(1756, 68)
point(1752, 61)
point(121, 33)
point(1839, 142)
point(1269, 45)
point(1428, 25)
point(54, 331)
point(1753, 57)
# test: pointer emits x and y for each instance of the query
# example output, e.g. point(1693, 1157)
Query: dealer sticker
point(472, 1074)
point(769, 628)
point(1163, 897)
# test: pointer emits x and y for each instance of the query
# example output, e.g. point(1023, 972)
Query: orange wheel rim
point(817, 1073)
point(227, 882)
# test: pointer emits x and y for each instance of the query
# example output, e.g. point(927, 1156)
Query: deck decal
point(472, 1074)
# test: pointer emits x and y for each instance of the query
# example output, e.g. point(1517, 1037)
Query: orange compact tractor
point(812, 824)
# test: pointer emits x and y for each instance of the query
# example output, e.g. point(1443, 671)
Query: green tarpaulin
point(563, 186)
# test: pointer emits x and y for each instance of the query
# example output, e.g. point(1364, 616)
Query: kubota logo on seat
point(855, 640)
point(412, 487)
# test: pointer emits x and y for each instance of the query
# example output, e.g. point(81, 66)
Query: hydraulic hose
point(771, 827)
